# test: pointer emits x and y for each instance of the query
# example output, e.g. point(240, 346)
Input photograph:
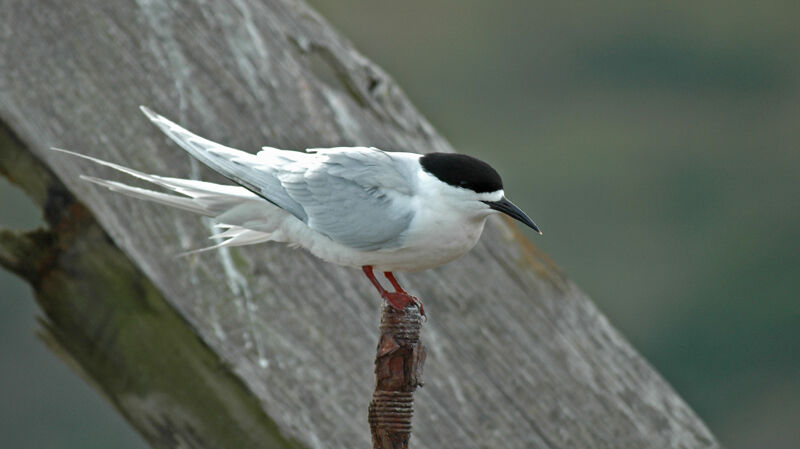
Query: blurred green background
point(656, 143)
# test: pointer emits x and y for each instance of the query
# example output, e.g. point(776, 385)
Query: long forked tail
point(232, 207)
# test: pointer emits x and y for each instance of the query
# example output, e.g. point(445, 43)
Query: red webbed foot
point(399, 300)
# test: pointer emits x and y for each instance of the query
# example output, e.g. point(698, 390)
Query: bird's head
point(472, 185)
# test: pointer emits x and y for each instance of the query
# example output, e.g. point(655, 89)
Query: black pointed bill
point(508, 208)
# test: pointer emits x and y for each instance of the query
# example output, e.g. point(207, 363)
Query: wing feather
point(240, 167)
point(359, 197)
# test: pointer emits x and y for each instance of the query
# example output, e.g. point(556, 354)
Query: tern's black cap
point(460, 170)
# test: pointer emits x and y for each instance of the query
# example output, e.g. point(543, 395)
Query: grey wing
point(257, 174)
point(359, 197)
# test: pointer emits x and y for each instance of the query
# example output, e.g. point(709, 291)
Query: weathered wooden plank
point(518, 357)
point(107, 321)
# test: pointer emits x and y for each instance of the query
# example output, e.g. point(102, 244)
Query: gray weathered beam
point(518, 357)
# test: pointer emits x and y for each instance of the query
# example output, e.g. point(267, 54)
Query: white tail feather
point(180, 202)
point(236, 236)
point(234, 204)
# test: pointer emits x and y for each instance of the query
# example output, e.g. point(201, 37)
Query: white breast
point(445, 227)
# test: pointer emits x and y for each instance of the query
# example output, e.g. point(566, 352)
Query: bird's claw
point(400, 300)
point(418, 303)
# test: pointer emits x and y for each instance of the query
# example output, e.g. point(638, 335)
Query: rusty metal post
point(398, 372)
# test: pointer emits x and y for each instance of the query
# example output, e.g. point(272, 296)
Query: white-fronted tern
point(352, 206)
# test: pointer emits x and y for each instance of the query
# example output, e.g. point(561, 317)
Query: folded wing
point(359, 197)
point(240, 167)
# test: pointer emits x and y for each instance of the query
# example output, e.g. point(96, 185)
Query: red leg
point(398, 299)
point(368, 271)
point(390, 276)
